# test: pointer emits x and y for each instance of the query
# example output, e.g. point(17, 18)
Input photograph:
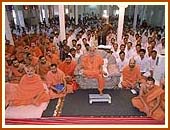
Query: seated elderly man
point(111, 73)
point(30, 90)
point(91, 67)
point(131, 75)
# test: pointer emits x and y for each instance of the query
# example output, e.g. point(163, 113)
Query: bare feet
point(101, 93)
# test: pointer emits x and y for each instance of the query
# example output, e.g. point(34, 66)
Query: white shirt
point(69, 40)
point(147, 55)
point(158, 42)
point(129, 53)
point(78, 55)
point(160, 49)
point(94, 41)
point(73, 58)
point(132, 39)
point(115, 53)
point(79, 41)
point(121, 64)
point(84, 35)
point(56, 41)
point(144, 42)
point(143, 63)
point(152, 63)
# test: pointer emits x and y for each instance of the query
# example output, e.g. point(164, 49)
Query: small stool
point(99, 98)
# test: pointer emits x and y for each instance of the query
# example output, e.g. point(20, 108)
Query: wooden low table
point(99, 98)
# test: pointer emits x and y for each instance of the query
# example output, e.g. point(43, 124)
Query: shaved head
point(132, 60)
point(132, 63)
point(92, 50)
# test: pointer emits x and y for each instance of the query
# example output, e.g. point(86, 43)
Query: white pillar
point(108, 13)
point(46, 13)
point(120, 22)
point(84, 8)
point(76, 16)
point(16, 12)
point(21, 18)
point(145, 12)
point(142, 9)
point(40, 13)
point(52, 9)
point(68, 10)
point(62, 22)
point(130, 11)
point(135, 17)
point(151, 14)
point(8, 30)
point(56, 10)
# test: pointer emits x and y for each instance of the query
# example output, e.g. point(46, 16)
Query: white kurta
point(144, 64)
point(121, 64)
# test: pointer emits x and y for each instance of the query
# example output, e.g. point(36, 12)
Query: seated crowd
point(37, 62)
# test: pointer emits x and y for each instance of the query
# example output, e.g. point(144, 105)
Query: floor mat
point(49, 111)
point(77, 104)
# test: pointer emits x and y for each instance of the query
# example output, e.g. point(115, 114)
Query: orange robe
point(10, 49)
point(7, 68)
point(49, 45)
point(16, 75)
point(34, 61)
point(53, 79)
point(19, 53)
point(29, 91)
point(163, 102)
point(91, 66)
point(42, 70)
point(53, 59)
point(130, 77)
point(68, 69)
point(36, 51)
point(56, 52)
point(150, 100)
point(18, 42)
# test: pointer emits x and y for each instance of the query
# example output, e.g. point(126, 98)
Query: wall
point(154, 14)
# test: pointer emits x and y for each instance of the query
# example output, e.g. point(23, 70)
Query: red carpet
point(85, 121)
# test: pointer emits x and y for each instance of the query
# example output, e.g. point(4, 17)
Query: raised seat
point(111, 81)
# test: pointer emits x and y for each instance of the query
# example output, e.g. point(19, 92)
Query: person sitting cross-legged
point(68, 67)
point(30, 90)
point(56, 77)
point(150, 100)
point(131, 75)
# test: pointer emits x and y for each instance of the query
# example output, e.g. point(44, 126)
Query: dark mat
point(49, 111)
point(77, 104)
